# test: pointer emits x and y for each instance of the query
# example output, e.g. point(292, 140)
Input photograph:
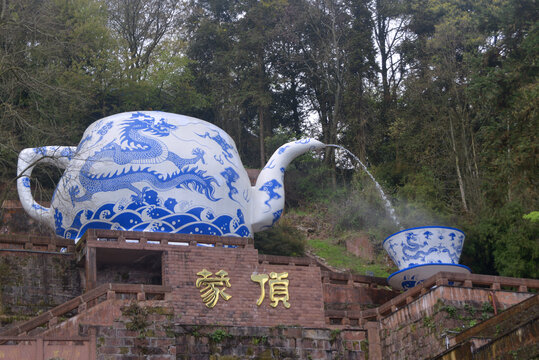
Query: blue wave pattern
point(154, 215)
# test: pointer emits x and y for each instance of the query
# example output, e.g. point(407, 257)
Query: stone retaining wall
point(33, 282)
point(151, 330)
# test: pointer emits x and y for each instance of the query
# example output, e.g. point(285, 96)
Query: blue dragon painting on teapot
point(156, 171)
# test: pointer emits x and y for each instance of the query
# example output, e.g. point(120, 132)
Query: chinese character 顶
point(278, 285)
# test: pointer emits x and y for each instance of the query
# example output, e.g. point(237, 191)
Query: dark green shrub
point(281, 239)
point(502, 242)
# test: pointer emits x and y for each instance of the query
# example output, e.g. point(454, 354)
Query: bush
point(281, 239)
point(502, 242)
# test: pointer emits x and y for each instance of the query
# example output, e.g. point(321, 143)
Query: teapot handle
point(28, 159)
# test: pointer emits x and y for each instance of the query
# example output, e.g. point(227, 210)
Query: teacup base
point(414, 275)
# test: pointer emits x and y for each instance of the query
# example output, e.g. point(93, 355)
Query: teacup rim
point(428, 264)
point(422, 227)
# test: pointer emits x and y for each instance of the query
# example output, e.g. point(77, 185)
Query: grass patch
point(336, 255)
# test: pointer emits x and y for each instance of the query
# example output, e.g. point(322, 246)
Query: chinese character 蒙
point(213, 287)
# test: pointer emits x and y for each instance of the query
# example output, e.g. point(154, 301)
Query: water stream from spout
point(387, 204)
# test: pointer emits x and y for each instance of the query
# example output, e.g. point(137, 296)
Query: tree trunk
point(261, 136)
point(457, 166)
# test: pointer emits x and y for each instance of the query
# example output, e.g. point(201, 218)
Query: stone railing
point(32, 347)
point(376, 288)
point(147, 239)
point(285, 260)
point(450, 279)
point(524, 312)
point(352, 279)
point(81, 303)
point(36, 243)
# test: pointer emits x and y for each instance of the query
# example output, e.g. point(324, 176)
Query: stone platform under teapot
point(157, 171)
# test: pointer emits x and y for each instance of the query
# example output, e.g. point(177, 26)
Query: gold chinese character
point(278, 288)
point(210, 291)
point(261, 279)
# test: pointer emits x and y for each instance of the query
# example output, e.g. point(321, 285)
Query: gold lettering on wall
point(278, 288)
point(261, 279)
point(213, 287)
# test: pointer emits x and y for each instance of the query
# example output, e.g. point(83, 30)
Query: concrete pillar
point(373, 336)
point(91, 268)
point(40, 349)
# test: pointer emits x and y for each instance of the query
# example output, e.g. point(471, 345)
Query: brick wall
point(47, 278)
point(305, 289)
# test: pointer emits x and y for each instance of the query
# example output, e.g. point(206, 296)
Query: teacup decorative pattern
point(156, 171)
point(425, 245)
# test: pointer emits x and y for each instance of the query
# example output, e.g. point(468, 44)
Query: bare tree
point(390, 30)
point(142, 25)
point(324, 51)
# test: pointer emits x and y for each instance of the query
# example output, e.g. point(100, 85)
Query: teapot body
point(153, 171)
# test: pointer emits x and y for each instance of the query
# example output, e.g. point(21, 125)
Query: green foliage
point(263, 340)
point(334, 335)
point(138, 317)
point(470, 309)
point(360, 207)
point(281, 239)
point(504, 242)
point(533, 216)
point(219, 335)
point(429, 323)
point(486, 307)
point(337, 256)
point(451, 311)
point(421, 190)
point(364, 346)
point(308, 180)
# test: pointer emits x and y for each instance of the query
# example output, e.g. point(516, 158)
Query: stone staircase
point(46, 322)
point(510, 334)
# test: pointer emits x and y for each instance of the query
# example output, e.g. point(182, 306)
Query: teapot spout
point(268, 193)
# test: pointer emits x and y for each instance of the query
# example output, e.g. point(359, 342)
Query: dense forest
point(439, 98)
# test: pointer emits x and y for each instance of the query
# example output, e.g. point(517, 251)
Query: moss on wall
point(31, 283)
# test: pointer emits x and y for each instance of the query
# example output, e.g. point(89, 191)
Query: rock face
point(360, 246)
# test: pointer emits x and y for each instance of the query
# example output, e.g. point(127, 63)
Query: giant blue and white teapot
point(156, 171)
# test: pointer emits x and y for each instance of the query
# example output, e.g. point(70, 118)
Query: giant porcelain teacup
point(422, 251)
point(156, 171)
